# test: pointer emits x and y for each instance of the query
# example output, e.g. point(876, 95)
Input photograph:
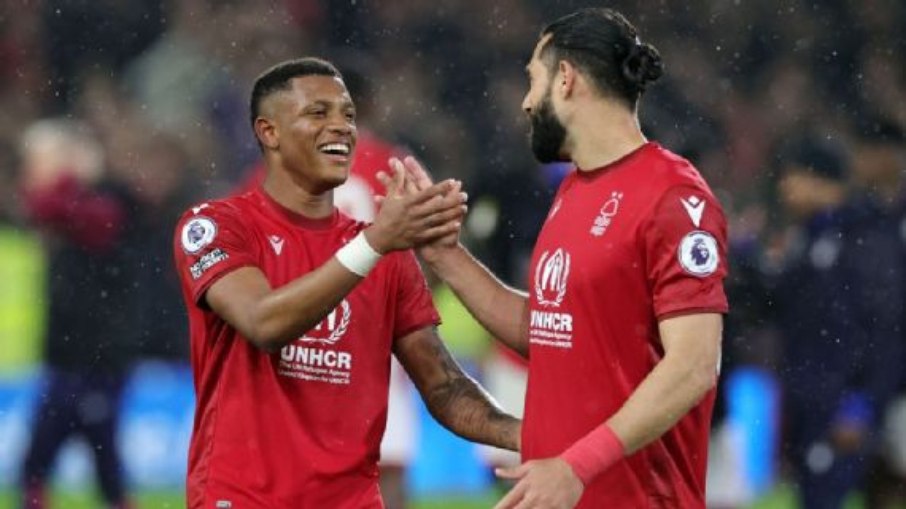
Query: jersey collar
point(308, 223)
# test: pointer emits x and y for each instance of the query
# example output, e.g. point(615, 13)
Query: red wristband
point(594, 453)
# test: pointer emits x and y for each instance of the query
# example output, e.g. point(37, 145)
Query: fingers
point(396, 182)
point(527, 503)
point(516, 472)
point(437, 232)
point(416, 183)
point(453, 199)
point(411, 186)
point(440, 205)
point(448, 240)
point(384, 179)
point(513, 497)
point(441, 189)
point(417, 173)
point(444, 216)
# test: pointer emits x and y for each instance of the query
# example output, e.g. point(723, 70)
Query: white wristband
point(358, 256)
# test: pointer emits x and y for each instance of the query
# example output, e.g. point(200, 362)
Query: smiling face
point(309, 131)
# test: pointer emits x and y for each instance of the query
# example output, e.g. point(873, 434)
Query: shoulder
point(226, 208)
point(669, 170)
point(200, 223)
point(674, 180)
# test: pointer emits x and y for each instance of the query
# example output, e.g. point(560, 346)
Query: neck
point(603, 132)
point(280, 186)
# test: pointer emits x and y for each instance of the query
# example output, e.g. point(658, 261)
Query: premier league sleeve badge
point(197, 233)
point(698, 253)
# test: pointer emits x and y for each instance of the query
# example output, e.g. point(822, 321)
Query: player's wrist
point(441, 257)
point(376, 238)
point(358, 255)
point(594, 453)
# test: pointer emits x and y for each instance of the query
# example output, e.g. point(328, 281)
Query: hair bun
point(642, 65)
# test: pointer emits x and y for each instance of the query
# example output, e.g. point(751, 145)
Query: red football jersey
point(299, 428)
point(623, 246)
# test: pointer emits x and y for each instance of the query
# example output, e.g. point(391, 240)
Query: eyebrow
point(327, 103)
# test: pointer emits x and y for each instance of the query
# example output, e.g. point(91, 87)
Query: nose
point(340, 124)
point(341, 127)
point(526, 104)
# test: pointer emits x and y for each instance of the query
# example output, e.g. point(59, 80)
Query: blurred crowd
point(119, 114)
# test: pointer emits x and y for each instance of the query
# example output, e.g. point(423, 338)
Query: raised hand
point(542, 484)
point(410, 217)
point(418, 180)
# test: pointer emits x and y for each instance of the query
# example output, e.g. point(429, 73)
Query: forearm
point(465, 409)
point(665, 395)
point(271, 318)
point(453, 398)
point(499, 308)
point(672, 388)
point(288, 312)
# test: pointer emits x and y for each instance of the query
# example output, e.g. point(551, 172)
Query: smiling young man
point(295, 310)
point(622, 323)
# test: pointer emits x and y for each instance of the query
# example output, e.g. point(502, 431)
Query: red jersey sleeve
point(209, 242)
point(686, 253)
point(414, 306)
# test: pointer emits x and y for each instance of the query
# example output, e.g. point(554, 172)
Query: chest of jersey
point(587, 249)
point(354, 338)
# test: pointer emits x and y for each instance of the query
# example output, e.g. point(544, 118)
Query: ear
point(566, 78)
point(266, 131)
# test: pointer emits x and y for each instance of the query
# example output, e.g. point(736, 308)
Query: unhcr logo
point(551, 275)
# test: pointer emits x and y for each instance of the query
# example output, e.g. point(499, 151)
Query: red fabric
point(300, 428)
point(594, 453)
point(608, 263)
point(87, 217)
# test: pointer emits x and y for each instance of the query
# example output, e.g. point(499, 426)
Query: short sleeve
point(685, 243)
point(414, 306)
point(209, 242)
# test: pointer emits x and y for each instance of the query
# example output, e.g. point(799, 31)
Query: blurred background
point(119, 114)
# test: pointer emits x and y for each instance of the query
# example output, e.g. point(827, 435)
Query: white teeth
point(335, 148)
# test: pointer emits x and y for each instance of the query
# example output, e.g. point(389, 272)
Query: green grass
point(91, 500)
point(782, 498)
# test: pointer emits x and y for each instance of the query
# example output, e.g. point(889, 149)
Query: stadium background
point(446, 81)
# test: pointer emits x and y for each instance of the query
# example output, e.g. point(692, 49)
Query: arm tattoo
point(464, 408)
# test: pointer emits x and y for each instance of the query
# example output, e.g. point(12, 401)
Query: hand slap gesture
point(410, 217)
point(418, 181)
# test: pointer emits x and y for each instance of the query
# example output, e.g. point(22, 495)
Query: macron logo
point(276, 243)
point(695, 207)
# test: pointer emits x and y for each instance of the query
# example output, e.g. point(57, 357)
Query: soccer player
point(355, 198)
point(622, 324)
point(295, 310)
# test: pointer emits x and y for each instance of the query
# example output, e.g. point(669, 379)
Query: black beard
point(548, 133)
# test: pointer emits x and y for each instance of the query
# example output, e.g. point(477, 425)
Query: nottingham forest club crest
point(606, 214)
